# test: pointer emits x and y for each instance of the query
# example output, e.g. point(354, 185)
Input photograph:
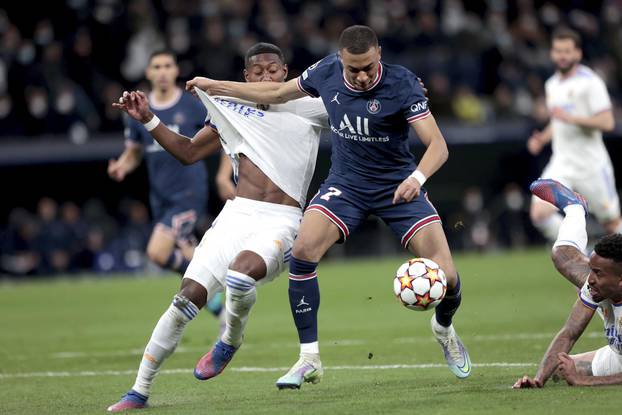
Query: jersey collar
point(161, 106)
point(373, 85)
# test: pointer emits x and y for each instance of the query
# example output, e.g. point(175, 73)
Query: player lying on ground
point(371, 106)
point(599, 279)
point(250, 241)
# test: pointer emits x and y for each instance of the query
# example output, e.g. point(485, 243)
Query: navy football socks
point(448, 307)
point(304, 298)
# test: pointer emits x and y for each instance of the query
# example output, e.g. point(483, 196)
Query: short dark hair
point(563, 33)
point(159, 52)
point(262, 47)
point(358, 39)
point(610, 247)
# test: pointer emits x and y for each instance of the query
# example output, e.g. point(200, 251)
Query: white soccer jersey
point(577, 149)
point(612, 316)
point(282, 140)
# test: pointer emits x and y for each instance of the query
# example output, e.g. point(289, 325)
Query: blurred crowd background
point(484, 62)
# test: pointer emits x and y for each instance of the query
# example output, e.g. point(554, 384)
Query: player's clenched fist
point(202, 83)
point(407, 190)
point(115, 170)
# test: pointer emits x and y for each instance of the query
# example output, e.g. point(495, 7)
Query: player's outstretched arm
point(571, 263)
point(188, 151)
point(578, 320)
point(435, 156)
point(259, 92)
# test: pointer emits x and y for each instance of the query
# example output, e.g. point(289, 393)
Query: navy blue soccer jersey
point(169, 179)
point(369, 128)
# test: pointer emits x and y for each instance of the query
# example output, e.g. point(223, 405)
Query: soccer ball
point(419, 284)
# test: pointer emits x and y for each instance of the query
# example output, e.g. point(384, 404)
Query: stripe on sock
point(304, 277)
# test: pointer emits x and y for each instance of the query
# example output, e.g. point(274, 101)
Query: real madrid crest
point(373, 106)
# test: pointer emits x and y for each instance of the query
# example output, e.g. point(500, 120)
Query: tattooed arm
point(576, 374)
point(578, 320)
point(571, 263)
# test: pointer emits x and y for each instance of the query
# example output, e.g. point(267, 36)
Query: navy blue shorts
point(178, 215)
point(348, 206)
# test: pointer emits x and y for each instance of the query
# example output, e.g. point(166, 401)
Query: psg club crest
point(373, 106)
point(179, 118)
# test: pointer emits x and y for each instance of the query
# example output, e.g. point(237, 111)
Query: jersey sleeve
point(311, 79)
point(313, 110)
point(414, 103)
point(132, 132)
point(598, 97)
point(586, 297)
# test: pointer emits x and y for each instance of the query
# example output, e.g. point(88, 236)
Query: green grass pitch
point(72, 346)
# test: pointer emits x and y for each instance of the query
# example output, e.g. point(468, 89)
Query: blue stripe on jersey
point(588, 304)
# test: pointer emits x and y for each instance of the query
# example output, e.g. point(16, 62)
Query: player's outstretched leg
point(556, 194)
point(164, 339)
point(241, 295)
point(456, 354)
point(304, 300)
point(430, 242)
point(568, 252)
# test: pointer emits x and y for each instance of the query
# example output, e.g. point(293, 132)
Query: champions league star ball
point(420, 284)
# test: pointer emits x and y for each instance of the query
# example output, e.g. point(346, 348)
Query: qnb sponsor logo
point(241, 109)
point(357, 131)
point(419, 106)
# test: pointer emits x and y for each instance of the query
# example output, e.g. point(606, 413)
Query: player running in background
point(580, 110)
point(273, 152)
point(371, 106)
point(178, 194)
point(599, 279)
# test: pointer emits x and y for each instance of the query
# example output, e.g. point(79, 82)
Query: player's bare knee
point(251, 264)
point(194, 292)
point(306, 251)
point(537, 214)
point(156, 255)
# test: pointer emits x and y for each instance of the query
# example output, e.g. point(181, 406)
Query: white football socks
point(310, 348)
point(241, 296)
point(572, 231)
point(164, 339)
point(549, 227)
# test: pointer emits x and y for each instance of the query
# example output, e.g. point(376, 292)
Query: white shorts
point(598, 188)
point(606, 362)
point(267, 229)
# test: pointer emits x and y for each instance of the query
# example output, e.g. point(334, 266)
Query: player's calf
point(241, 295)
